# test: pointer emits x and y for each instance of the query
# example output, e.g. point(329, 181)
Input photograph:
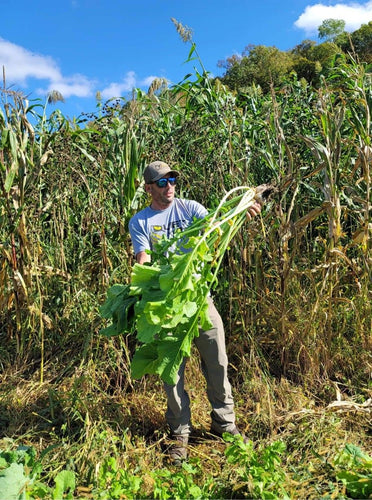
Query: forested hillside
point(309, 61)
point(294, 286)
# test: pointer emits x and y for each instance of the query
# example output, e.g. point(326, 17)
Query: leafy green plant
point(116, 482)
point(354, 469)
point(258, 474)
point(181, 484)
point(18, 471)
point(172, 292)
point(20, 477)
point(124, 482)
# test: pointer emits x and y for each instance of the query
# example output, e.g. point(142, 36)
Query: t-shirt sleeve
point(140, 240)
point(197, 209)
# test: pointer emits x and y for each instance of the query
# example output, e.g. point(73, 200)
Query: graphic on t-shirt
point(157, 232)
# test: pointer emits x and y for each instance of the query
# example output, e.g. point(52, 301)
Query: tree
point(330, 29)
point(304, 48)
point(310, 59)
point(358, 43)
point(362, 42)
point(259, 65)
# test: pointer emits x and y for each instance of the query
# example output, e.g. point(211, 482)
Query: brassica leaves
point(165, 303)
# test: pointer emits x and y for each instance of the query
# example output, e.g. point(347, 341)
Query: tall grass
point(70, 191)
point(294, 288)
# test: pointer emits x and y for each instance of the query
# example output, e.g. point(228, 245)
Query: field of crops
point(294, 290)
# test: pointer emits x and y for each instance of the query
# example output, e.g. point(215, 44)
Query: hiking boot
point(235, 432)
point(177, 451)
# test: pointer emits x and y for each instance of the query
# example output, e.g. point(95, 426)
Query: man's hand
point(263, 193)
point(254, 210)
point(143, 257)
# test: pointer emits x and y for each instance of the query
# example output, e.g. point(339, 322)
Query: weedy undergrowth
point(118, 482)
point(20, 473)
point(354, 468)
point(258, 473)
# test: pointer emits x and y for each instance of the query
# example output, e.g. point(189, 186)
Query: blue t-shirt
point(148, 226)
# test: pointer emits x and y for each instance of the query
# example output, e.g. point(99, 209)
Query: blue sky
point(80, 47)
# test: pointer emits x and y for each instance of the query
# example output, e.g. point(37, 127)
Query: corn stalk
point(16, 157)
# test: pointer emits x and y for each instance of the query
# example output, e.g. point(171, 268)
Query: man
point(162, 217)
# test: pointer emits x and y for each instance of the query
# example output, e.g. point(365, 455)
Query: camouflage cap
point(156, 170)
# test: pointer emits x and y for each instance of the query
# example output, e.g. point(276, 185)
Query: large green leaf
point(180, 274)
point(145, 360)
point(10, 176)
point(163, 357)
point(65, 480)
point(144, 274)
point(146, 332)
point(13, 482)
point(172, 350)
point(171, 313)
point(119, 308)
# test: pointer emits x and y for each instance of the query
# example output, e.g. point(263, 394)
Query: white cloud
point(129, 82)
point(354, 14)
point(119, 89)
point(22, 65)
point(76, 85)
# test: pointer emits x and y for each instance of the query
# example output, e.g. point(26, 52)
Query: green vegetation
point(166, 302)
point(267, 66)
point(293, 287)
point(19, 474)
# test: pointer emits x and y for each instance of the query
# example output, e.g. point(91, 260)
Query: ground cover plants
point(293, 287)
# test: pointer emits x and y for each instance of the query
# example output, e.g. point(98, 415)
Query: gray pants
point(212, 349)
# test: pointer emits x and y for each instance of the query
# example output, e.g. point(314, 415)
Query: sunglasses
point(162, 183)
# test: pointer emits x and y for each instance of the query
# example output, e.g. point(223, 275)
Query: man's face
point(162, 197)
